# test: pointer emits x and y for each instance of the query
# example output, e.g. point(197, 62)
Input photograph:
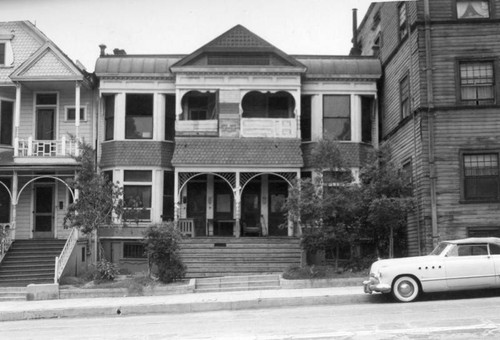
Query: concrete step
point(235, 283)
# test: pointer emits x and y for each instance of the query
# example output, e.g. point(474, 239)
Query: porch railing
point(46, 148)
point(269, 128)
point(186, 226)
point(63, 258)
point(5, 238)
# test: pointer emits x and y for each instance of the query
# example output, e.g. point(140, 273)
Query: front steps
point(12, 294)
point(237, 283)
point(243, 256)
point(30, 261)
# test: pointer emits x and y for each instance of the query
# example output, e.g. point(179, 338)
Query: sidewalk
point(182, 303)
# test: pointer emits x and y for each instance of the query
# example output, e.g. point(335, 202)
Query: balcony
point(269, 128)
point(207, 127)
point(26, 150)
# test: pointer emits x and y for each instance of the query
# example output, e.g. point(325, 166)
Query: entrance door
point(197, 205)
point(44, 211)
point(278, 192)
point(250, 209)
point(45, 124)
point(223, 209)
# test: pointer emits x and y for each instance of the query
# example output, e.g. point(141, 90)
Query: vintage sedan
point(471, 263)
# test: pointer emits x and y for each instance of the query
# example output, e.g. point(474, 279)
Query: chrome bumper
point(373, 285)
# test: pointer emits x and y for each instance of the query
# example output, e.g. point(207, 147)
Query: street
point(432, 318)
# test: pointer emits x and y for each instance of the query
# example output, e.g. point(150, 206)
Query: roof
point(248, 152)
point(475, 240)
point(341, 67)
point(136, 65)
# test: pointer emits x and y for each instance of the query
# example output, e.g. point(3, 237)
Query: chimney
point(103, 50)
point(355, 50)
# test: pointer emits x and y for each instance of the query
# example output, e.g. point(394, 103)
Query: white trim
point(85, 116)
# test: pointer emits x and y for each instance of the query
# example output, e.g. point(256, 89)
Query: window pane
point(46, 99)
point(477, 81)
point(137, 176)
point(337, 128)
point(473, 9)
point(481, 176)
point(2, 54)
point(109, 113)
point(139, 127)
point(337, 106)
point(71, 113)
point(305, 118)
point(137, 196)
point(6, 122)
point(139, 105)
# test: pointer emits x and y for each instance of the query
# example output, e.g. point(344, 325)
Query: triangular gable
point(238, 40)
point(48, 63)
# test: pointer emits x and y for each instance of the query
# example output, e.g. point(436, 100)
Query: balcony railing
point(46, 148)
point(207, 127)
point(269, 128)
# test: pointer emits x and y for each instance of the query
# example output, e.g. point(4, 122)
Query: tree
point(99, 198)
point(388, 200)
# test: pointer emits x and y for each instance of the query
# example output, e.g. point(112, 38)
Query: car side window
point(472, 250)
point(494, 249)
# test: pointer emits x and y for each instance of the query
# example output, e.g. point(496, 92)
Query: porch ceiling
point(248, 152)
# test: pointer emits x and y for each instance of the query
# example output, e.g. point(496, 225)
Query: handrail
point(62, 259)
point(6, 239)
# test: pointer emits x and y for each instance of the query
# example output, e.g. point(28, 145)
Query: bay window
point(137, 193)
point(139, 116)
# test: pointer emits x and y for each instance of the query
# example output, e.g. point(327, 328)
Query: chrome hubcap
point(405, 289)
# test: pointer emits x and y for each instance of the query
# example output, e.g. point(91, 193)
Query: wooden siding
point(445, 9)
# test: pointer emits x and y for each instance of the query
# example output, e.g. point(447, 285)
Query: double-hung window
point(6, 121)
point(477, 82)
point(473, 9)
point(2, 54)
point(337, 117)
point(480, 176)
point(403, 21)
point(404, 95)
point(139, 116)
point(137, 191)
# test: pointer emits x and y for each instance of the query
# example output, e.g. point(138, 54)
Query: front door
point(45, 124)
point(197, 205)
point(278, 192)
point(44, 211)
point(250, 209)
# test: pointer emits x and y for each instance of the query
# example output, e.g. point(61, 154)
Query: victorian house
point(439, 110)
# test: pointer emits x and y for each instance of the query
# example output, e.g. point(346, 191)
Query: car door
point(469, 266)
point(495, 256)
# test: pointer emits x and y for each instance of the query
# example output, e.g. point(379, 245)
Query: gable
point(239, 47)
point(48, 63)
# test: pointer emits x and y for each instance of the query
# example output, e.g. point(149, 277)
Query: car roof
point(475, 240)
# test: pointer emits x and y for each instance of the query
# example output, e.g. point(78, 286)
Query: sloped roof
point(341, 67)
point(135, 65)
point(248, 152)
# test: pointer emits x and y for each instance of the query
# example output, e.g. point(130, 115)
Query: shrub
point(105, 271)
point(162, 249)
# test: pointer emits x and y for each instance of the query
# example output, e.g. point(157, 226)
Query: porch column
point(15, 185)
point(355, 118)
point(237, 205)
point(77, 109)
point(17, 118)
point(176, 196)
point(375, 137)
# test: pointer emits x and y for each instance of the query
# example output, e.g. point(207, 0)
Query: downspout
point(430, 118)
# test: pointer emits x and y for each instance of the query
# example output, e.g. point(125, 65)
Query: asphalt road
point(434, 317)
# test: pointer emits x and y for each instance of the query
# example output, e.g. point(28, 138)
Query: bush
point(105, 271)
point(162, 249)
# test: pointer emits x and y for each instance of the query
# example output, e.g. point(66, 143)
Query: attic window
point(2, 53)
point(238, 59)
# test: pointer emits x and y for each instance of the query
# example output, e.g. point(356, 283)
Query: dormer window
point(473, 9)
point(6, 54)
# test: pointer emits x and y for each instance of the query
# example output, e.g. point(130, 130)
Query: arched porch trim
point(247, 177)
point(185, 177)
point(45, 176)
point(8, 190)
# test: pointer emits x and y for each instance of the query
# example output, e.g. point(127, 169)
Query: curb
point(209, 302)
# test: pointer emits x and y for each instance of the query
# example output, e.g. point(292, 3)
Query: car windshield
point(439, 249)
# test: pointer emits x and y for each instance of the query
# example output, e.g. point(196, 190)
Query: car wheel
point(405, 289)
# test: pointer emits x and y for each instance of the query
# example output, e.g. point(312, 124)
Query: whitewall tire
point(405, 289)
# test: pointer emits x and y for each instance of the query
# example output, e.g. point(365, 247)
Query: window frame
point(403, 24)
point(135, 115)
point(109, 117)
point(3, 53)
point(476, 102)
point(12, 102)
point(135, 246)
point(147, 183)
point(336, 117)
point(73, 107)
point(404, 96)
point(463, 197)
point(456, 15)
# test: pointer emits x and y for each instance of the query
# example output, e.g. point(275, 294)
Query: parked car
point(471, 263)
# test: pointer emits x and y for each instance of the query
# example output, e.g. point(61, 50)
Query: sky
point(78, 27)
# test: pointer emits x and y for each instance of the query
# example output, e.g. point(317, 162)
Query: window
point(268, 105)
point(137, 187)
point(169, 117)
point(404, 97)
point(403, 26)
point(305, 117)
point(46, 113)
point(477, 82)
point(199, 106)
point(168, 196)
point(473, 9)
point(2, 53)
point(70, 113)
point(139, 116)
point(133, 250)
point(109, 117)
point(480, 177)
point(407, 175)
point(6, 122)
point(337, 116)
point(483, 232)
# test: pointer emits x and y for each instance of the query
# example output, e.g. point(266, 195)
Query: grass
point(320, 272)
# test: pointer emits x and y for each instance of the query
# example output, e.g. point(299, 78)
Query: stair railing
point(5, 238)
point(63, 258)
